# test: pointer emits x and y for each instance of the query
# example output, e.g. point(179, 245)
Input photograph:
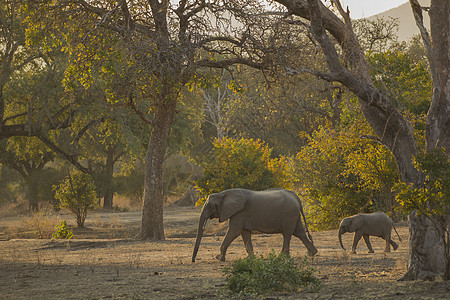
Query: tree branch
point(69, 157)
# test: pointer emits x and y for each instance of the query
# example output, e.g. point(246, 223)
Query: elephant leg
point(388, 244)
point(300, 233)
point(247, 237)
point(231, 235)
point(286, 243)
point(356, 239)
point(366, 239)
point(394, 244)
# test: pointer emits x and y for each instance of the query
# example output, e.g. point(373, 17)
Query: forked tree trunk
point(152, 212)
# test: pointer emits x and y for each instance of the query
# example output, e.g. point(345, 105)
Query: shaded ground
point(104, 262)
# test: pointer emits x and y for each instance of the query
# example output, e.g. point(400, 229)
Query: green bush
point(243, 163)
point(258, 276)
point(433, 198)
point(62, 231)
point(341, 174)
point(77, 193)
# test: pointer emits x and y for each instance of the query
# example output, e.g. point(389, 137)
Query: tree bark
point(438, 117)
point(152, 212)
point(427, 249)
point(33, 191)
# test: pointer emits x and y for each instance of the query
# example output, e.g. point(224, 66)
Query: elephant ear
point(232, 203)
point(355, 223)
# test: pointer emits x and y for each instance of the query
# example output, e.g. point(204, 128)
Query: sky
point(367, 8)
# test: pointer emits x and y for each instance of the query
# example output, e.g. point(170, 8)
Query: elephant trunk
point(201, 227)
point(341, 231)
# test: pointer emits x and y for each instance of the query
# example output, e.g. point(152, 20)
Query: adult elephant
point(365, 225)
point(269, 211)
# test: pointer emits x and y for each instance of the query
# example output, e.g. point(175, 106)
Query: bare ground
point(103, 261)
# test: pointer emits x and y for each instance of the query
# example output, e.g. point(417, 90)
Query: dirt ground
point(103, 261)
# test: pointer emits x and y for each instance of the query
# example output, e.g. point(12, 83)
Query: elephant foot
point(312, 252)
point(353, 252)
point(387, 250)
point(371, 251)
point(221, 257)
point(395, 246)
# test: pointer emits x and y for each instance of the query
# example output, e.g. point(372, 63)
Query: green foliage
point(343, 174)
point(258, 276)
point(243, 163)
point(433, 198)
point(77, 193)
point(376, 168)
point(62, 231)
point(408, 82)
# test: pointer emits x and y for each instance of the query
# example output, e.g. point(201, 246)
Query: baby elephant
point(364, 225)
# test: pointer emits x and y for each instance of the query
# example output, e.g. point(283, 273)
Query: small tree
point(243, 163)
point(77, 193)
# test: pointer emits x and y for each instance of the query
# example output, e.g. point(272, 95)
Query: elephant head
point(350, 224)
point(221, 205)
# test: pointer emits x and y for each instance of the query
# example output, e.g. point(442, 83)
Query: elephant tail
point(304, 219)
point(397, 232)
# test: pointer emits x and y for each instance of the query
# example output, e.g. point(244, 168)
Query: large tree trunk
point(427, 249)
point(152, 212)
point(427, 243)
point(32, 182)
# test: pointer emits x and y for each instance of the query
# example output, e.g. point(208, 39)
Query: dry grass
point(42, 223)
point(121, 203)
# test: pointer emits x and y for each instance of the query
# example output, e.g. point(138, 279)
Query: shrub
point(433, 198)
point(41, 224)
point(258, 276)
point(62, 231)
point(77, 193)
point(243, 163)
point(341, 174)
